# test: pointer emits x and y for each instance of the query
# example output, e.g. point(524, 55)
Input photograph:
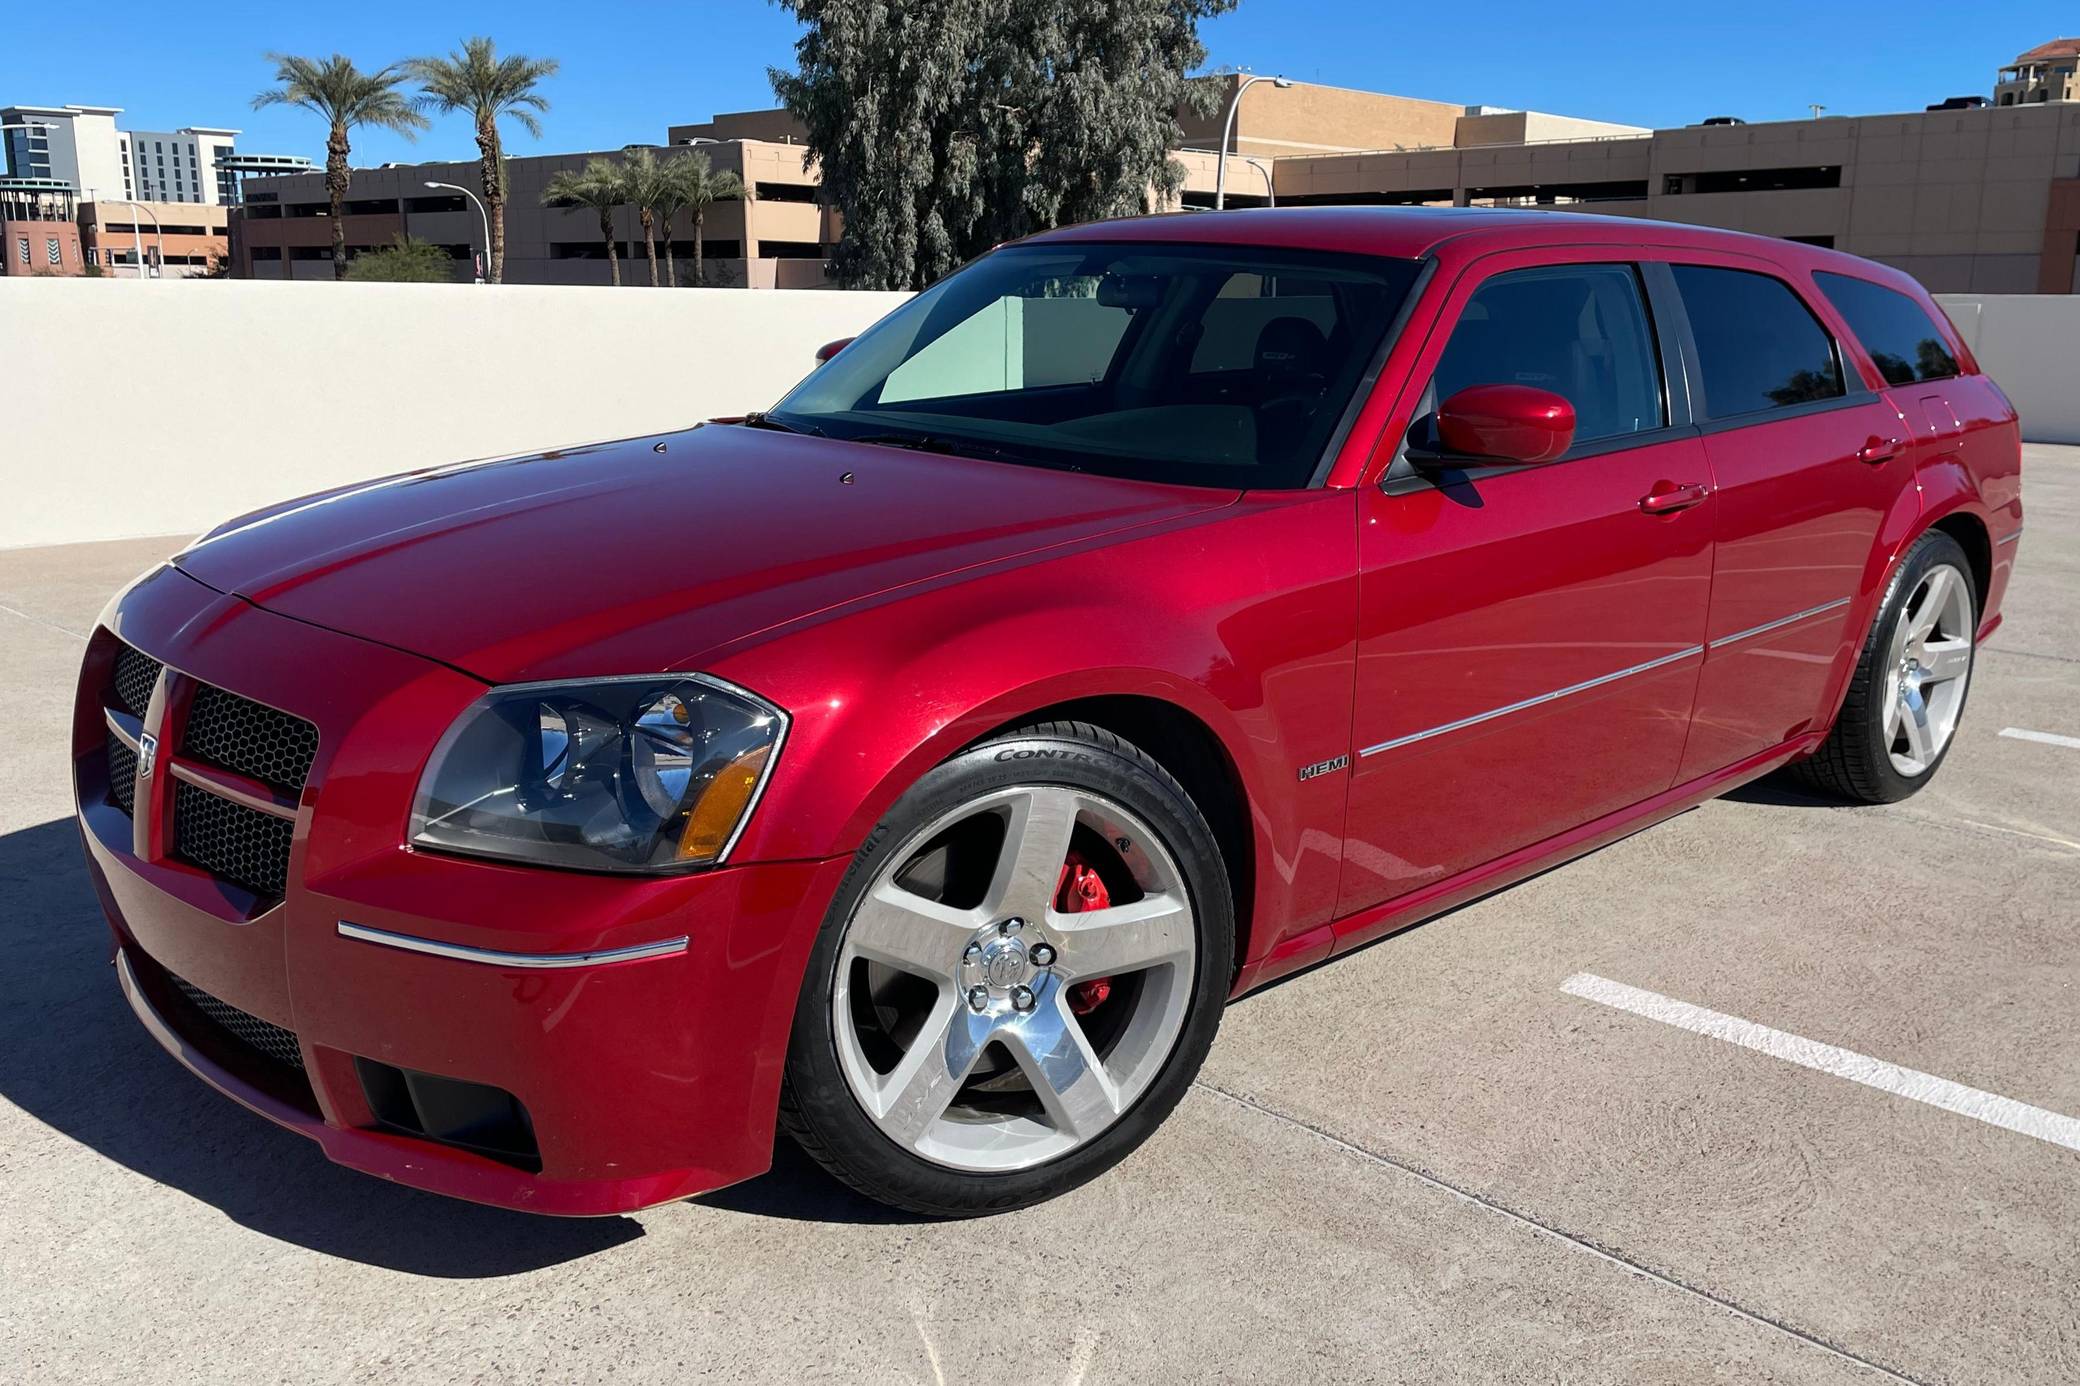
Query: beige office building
point(1978, 200)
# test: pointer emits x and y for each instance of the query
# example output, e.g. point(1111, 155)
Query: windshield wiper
point(766, 420)
point(922, 442)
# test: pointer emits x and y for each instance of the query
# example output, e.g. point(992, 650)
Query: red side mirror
point(830, 349)
point(1511, 423)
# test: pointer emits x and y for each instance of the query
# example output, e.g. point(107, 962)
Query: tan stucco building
point(1984, 200)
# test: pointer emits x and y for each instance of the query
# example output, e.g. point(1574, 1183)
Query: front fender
point(1246, 624)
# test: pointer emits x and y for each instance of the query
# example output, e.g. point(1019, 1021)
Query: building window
point(52, 251)
point(22, 248)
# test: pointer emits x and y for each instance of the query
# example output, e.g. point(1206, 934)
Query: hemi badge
point(1323, 767)
point(148, 751)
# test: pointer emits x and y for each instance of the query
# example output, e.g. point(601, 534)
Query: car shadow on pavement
point(1782, 790)
point(798, 1189)
point(73, 1057)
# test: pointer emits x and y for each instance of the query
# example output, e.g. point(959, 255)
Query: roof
point(1400, 232)
point(2057, 48)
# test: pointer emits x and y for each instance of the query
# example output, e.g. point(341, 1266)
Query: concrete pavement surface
point(1424, 1162)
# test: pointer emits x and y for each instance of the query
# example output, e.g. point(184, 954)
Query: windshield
point(1226, 366)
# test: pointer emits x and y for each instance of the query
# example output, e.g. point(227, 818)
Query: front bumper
point(643, 1079)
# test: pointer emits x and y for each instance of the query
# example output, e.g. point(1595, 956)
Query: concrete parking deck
point(1426, 1161)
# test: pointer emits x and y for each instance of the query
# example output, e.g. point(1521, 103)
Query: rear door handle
point(1664, 499)
point(1879, 450)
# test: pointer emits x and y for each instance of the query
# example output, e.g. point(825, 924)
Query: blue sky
point(631, 70)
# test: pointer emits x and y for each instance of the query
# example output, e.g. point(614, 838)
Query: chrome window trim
point(1532, 702)
point(410, 943)
point(1779, 623)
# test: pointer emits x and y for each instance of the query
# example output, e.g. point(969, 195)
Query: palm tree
point(475, 79)
point(600, 186)
point(346, 96)
point(644, 181)
point(689, 183)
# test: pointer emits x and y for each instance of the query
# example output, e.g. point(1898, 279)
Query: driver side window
point(1578, 331)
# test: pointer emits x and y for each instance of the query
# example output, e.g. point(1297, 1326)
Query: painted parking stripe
point(1990, 1108)
point(2071, 743)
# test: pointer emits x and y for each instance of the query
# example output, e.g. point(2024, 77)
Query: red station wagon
point(1145, 612)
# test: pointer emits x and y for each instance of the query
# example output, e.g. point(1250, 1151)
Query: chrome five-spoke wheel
point(1014, 978)
point(1906, 694)
point(1927, 667)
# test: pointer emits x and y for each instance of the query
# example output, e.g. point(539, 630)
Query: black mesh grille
point(269, 1040)
point(242, 735)
point(244, 846)
point(122, 774)
point(135, 674)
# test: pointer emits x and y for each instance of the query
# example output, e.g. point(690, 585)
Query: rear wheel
point(1018, 980)
point(1907, 696)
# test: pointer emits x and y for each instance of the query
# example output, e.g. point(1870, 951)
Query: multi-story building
point(82, 147)
point(176, 240)
point(1975, 200)
point(776, 236)
point(2049, 72)
point(180, 166)
point(78, 146)
point(38, 233)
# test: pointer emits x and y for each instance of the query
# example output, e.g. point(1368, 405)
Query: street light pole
point(1220, 177)
point(1270, 192)
point(136, 238)
point(482, 217)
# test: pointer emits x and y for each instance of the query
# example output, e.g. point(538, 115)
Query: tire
point(1864, 759)
point(952, 1058)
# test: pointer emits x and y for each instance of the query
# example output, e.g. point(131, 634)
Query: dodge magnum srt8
point(1146, 611)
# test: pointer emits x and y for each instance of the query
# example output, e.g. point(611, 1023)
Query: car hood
point(640, 556)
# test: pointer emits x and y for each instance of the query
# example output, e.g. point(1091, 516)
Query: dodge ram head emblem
point(147, 752)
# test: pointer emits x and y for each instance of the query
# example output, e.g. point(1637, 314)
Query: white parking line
point(1990, 1108)
point(2071, 743)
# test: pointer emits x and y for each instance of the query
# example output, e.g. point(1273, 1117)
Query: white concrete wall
point(158, 407)
point(2030, 345)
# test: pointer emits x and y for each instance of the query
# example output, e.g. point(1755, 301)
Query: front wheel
point(1907, 695)
point(1017, 980)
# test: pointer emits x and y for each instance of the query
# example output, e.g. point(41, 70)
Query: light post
point(482, 216)
point(136, 236)
point(1220, 177)
point(1270, 192)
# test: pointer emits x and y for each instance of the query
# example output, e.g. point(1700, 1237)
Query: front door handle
point(1664, 498)
point(1878, 450)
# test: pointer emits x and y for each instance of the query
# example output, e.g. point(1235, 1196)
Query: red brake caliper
point(1080, 889)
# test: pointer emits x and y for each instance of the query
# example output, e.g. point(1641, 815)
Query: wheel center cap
point(1004, 962)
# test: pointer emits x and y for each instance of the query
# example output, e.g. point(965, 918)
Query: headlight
point(654, 773)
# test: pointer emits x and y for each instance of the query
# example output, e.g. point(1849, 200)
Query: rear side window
point(1579, 331)
point(1902, 339)
point(1758, 346)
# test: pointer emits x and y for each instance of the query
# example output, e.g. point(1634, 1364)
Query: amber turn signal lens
point(721, 806)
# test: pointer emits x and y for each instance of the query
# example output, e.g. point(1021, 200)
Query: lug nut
point(1043, 955)
point(971, 952)
point(978, 998)
point(1022, 998)
point(1011, 926)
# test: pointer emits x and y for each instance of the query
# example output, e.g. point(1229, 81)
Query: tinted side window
point(1579, 331)
point(1900, 336)
point(1758, 345)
